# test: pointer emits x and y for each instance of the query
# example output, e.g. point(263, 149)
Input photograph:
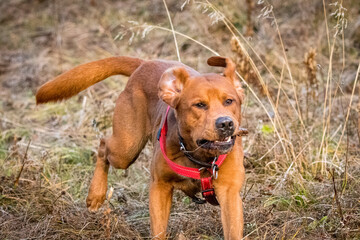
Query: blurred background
point(298, 61)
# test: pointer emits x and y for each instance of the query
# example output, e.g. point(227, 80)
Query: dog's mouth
point(222, 145)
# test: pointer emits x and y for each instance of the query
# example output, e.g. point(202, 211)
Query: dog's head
point(207, 107)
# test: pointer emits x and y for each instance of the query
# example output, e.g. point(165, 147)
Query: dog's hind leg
point(121, 149)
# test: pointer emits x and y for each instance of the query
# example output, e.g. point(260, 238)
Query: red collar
point(179, 169)
point(206, 183)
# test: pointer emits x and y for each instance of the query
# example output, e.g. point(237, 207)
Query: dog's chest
point(189, 186)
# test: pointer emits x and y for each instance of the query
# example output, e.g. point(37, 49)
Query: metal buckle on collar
point(182, 147)
point(214, 169)
point(202, 168)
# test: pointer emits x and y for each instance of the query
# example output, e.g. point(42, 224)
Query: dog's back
point(144, 75)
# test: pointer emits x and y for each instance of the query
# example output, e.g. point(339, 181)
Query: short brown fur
point(138, 115)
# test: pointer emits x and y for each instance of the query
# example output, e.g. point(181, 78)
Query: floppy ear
point(171, 84)
point(229, 72)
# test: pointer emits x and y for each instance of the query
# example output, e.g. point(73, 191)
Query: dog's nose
point(224, 126)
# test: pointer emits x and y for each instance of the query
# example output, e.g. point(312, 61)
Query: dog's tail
point(83, 76)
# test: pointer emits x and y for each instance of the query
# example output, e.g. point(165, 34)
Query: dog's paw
point(94, 202)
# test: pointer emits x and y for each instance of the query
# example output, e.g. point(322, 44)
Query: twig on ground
point(16, 183)
point(332, 173)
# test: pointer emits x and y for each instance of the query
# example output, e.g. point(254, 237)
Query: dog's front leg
point(231, 212)
point(160, 204)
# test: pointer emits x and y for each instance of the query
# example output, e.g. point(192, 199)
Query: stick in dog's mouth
point(222, 145)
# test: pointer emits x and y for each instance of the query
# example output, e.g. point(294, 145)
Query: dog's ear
point(227, 63)
point(171, 84)
point(229, 72)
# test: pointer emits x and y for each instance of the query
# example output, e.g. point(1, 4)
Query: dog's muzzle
point(225, 128)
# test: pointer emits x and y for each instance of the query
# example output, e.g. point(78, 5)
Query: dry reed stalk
point(348, 113)
point(243, 65)
point(311, 69)
point(311, 81)
point(336, 195)
point(16, 183)
point(326, 26)
point(173, 31)
point(327, 108)
point(279, 88)
point(289, 70)
point(250, 24)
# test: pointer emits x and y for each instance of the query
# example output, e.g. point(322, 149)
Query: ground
point(299, 65)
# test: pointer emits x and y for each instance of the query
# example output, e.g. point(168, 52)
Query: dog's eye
point(228, 102)
point(200, 105)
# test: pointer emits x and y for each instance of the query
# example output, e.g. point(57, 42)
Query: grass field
point(298, 61)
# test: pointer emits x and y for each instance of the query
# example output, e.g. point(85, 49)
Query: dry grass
point(301, 110)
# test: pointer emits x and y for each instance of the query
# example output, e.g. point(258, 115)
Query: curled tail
point(83, 76)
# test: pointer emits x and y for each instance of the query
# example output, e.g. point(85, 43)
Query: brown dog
point(205, 113)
